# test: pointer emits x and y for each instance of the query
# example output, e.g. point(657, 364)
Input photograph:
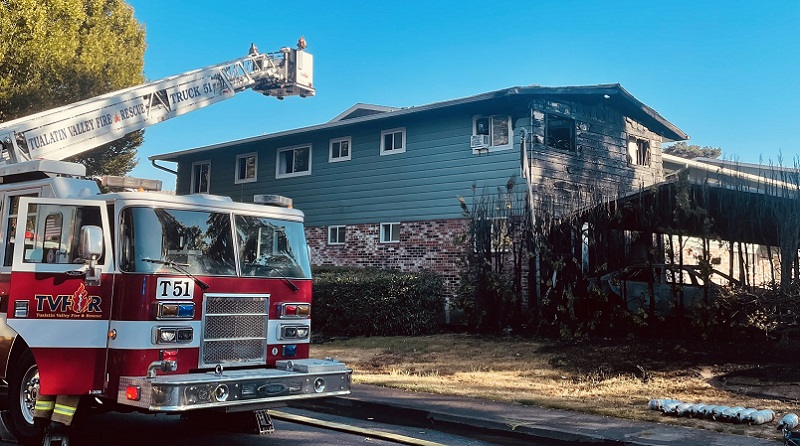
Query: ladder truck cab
point(150, 301)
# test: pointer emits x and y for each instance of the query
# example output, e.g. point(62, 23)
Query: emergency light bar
point(115, 181)
point(273, 200)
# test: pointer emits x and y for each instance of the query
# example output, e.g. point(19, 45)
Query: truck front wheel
point(23, 387)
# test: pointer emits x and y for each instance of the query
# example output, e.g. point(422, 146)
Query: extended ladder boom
point(66, 131)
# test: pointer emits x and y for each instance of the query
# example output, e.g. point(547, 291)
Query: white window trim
point(278, 152)
point(336, 228)
point(191, 185)
point(331, 159)
point(493, 148)
point(398, 232)
point(246, 180)
point(394, 151)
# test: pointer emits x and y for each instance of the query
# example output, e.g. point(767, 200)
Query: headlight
point(173, 335)
point(293, 332)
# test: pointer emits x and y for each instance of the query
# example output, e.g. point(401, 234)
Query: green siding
point(423, 183)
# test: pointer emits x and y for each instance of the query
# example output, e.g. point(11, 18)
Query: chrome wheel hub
point(28, 393)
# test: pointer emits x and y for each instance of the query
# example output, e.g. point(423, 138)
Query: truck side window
point(11, 227)
point(53, 232)
point(44, 241)
point(52, 239)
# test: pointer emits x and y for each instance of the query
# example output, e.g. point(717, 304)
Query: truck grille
point(235, 329)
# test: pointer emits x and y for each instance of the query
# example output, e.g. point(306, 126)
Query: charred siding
point(599, 167)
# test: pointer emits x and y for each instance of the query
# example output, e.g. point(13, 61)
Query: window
point(638, 151)
point(54, 234)
point(336, 235)
point(560, 132)
point(339, 150)
point(390, 232)
point(12, 202)
point(491, 131)
point(294, 162)
point(201, 177)
point(272, 248)
point(246, 165)
point(393, 141)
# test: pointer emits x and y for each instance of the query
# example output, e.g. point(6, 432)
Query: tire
point(23, 387)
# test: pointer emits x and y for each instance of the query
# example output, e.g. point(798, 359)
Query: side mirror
point(91, 242)
point(91, 250)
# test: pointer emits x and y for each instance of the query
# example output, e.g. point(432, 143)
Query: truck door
point(59, 302)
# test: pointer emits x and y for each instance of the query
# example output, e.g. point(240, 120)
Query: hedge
point(376, 302)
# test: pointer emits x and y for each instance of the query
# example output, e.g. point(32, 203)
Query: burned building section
point(660, 233)
point(581, 154)
point(607, 208)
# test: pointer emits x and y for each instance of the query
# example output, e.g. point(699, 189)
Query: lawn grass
point(607, 377)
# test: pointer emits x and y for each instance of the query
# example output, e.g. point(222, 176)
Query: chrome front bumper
point(292, 380)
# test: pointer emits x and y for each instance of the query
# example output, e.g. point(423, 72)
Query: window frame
point(390, 224)
point(193, 178)
point(336, 228)
point(572, 133)
point(643, 151)
point(402, 131)
point(245, 156)
point(278, 153)
point(333, 159)
point(492, 146)
point(32, 205)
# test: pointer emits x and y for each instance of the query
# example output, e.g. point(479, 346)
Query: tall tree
point(684, 150)
point(55, 52)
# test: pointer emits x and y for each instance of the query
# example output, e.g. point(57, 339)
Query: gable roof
point(613, 94)
point(361, 109)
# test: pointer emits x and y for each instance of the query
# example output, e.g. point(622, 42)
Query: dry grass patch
point(614, 378)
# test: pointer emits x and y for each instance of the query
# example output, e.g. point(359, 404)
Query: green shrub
point(376, 302)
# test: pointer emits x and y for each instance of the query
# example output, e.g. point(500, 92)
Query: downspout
point(526, 173)
point(165, 169)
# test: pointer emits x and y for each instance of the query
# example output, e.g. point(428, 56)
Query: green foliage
point(684, 150)
point(376, 302)
point(54, 53)
point(115, 158)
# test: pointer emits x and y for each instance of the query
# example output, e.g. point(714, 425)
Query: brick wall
point(423, 245)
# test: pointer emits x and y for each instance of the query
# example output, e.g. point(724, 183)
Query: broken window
point(638, 151)
point(560, 132)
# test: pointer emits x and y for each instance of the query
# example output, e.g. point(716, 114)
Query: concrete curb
point(356, 408)
point(516, 421)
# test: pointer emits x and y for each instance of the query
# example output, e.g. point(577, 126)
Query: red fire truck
point(150, 301)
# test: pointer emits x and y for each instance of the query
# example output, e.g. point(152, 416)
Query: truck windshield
point(204, 243)
point(271, 248)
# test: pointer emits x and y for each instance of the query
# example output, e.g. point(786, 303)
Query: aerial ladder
point(70, 130)
point(81, 272)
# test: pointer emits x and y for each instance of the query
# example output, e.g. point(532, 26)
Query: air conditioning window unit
point(479, 141)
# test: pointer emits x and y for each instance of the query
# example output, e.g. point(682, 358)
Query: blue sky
point(725, 72)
